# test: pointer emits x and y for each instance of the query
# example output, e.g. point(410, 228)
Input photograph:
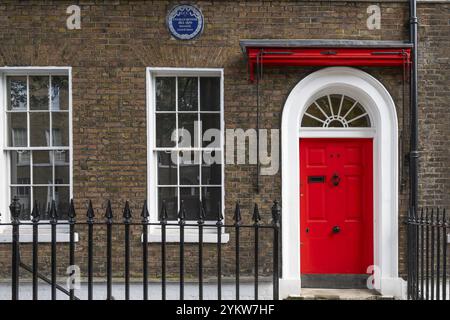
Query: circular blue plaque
point(185, 22)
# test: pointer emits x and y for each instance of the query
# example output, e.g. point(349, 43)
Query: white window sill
point(44, 235)
point(189, 237)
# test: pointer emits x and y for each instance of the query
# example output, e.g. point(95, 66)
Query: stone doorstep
point(339, 294)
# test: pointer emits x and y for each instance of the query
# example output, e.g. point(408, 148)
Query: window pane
point(187, 121)
point(211, 121)
point(165, 93)
point(43, 196)
point(39, 129)
point(62, 199)
point(39, 92)
point(60, 123)
point(23, 195)
point(212, 168)
point(60, 93)
point(17, 133)
point(189, 168)
point(191, 198)
point(20, 167)
point(165, 125)
point(62, 165)
point(169, 195)
point(210, 94)
point(167, 167)
point(42, 167)
point(188, 94)
point(17, 88)
point(212, 199)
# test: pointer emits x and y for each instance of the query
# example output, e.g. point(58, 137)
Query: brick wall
point(118, 39)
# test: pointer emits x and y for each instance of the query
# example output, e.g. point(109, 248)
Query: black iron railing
point(428, 235)
point(144, 223)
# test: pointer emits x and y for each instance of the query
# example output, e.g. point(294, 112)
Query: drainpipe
point(414, 153)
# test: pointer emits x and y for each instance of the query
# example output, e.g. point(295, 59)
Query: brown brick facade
point(119, 39)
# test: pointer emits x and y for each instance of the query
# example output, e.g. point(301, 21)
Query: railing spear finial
point(72, 214)
point(109, 213)
point(182, 212)
point(256, 216)
point(90, 212)
point(145, 214)
point(163, 214)
point(53, 213)
point(35, 214)
point(127, 213)
point(15, 209)
point(202, 213)
point(276, 212)
point(237, 213)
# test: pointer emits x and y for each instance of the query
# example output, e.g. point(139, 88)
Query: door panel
point(336, 205)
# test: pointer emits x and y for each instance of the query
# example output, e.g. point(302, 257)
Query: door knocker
point(335, 179)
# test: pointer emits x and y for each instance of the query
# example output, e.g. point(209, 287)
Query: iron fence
point(144, 223)
point(427, 256)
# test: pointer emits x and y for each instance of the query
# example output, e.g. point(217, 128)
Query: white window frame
point(25, 232)
point(191, 233)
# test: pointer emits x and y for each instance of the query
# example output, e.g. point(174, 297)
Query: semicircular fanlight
point(336, 111)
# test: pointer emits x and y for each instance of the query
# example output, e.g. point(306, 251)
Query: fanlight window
point(336, 111)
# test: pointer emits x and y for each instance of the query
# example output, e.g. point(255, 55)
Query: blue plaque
point(185, 22)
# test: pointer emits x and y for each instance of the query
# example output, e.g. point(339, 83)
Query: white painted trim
point(44, 236)
point(337, 133)
point(381, 109)
point(27, 71)
point(155, 231)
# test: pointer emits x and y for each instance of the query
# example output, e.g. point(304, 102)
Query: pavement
point(191, 291)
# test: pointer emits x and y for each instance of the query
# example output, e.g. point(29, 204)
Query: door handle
point(336, 229)
point(335, 179)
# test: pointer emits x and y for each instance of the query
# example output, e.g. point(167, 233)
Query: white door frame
point(381, 109)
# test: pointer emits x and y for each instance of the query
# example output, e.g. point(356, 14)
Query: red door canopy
point(324, 53)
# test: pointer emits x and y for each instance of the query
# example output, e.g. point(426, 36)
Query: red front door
point(336, 206)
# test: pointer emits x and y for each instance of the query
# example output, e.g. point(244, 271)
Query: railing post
point(427, 255)
point(219, 225)
point(444, 248)
point(127, 221)
point(163, 220)
point(145, 214)
point(438, 255)
point(422, 249)
point(90, 222)
point(72, 220)
point(15, 263)
point(109, 222)
point(416, 229)
point(276, 215)
point(53, 223)
point(181, 223)
point(35, 214)
point(237, 223)
point(256, 218)
point(408, 254)
point(201, 221)
point(432, 254)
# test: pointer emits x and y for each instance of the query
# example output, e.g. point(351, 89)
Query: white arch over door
point(378, 103)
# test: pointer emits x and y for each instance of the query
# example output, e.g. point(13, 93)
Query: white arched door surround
point(379, 105)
